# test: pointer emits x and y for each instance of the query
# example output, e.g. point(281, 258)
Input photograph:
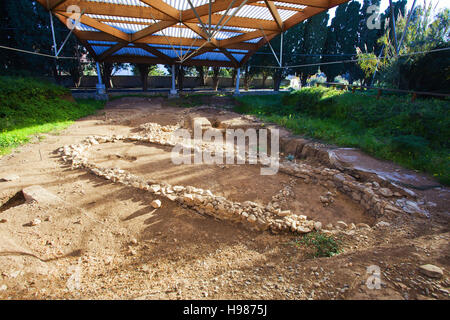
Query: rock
point(318, 225)
point(172, 197)
point(3, 221)
point(3, 287)
point(35, 222)
point(40, 195)
point(301, 229)
point(156, 204)
point(341, 225)
point(251, 218)
point(155, 188)
point(362, 226)
point(109, 260)
point(133, 241)
point(329, 226)
point(382, 224)
point(132, 251)
point(431, 271)
point(284, 213)
point(9, 177)
point(386, 192)
point(412, 207)
point(199, 123)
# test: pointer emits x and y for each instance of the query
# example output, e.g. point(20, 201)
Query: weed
point(319, 244)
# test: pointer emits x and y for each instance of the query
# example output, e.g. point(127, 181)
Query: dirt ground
point(107, 242)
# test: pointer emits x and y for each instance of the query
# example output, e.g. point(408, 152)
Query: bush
point(320, 244)
point(415, 135)
point(30, 106)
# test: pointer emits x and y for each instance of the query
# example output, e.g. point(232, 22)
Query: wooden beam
point(164, 8)
point(109, 9)
point(217, 6)
point(244, 37)
point(159, 54)
point(149, 60)
point(112, 50)
point(150, 30)
point(274, 12)
point(324, 4)
point(101, 27)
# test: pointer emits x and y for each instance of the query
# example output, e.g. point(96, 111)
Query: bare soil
point(107, 241)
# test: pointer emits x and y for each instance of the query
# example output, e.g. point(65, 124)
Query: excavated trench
point(234, 182)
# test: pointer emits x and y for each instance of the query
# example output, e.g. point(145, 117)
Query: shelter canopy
point(189, 32)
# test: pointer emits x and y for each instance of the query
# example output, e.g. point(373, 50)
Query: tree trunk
point(56, 73)
point(143, 73)
point(277, 80)
point(264, 78)
point(179, 71)
point(233, 77)
point(201, 76)
point(216, 71)
point(107, 71)
point(75, 73)
point(247, 78)
point(303, 78)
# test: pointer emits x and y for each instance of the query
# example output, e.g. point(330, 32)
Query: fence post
point(414, 96)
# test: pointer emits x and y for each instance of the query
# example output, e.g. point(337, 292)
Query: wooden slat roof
point(170, 31)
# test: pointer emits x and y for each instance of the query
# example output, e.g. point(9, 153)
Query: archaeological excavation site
point(224, 158)
point(100, 210)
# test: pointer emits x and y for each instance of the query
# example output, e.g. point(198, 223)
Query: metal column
point(101, 90)
point(173, 91)
point(238, 76)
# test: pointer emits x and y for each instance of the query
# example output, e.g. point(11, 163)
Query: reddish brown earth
point(123, 248)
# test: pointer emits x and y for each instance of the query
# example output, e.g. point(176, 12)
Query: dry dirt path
point(105, 240)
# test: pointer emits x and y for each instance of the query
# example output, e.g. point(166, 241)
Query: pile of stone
point(250, 214)
point(376, 200)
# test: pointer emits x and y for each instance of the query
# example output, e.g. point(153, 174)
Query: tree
point(425, 71)
point(315, 35)
point(342, 39)
point(201, 74)
point(216, 73)
point(26, 25)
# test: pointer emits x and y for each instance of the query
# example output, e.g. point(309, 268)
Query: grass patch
point(30, 107)
point(319, 244)
point(414, 135)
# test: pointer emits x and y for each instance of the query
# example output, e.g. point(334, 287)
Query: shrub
point(30, 106)
point(320, 244)
point(415, 135)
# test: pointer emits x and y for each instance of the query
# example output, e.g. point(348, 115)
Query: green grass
point(319, 244)
point(414, 135)
point(30, 107)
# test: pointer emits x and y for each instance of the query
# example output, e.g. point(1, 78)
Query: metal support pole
point(173, 90)
point(101, 90)
point(376, 67)
point(53, 34)
point(238, 76)
point(406, 25)
point(281, 50)
point(99, 75)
